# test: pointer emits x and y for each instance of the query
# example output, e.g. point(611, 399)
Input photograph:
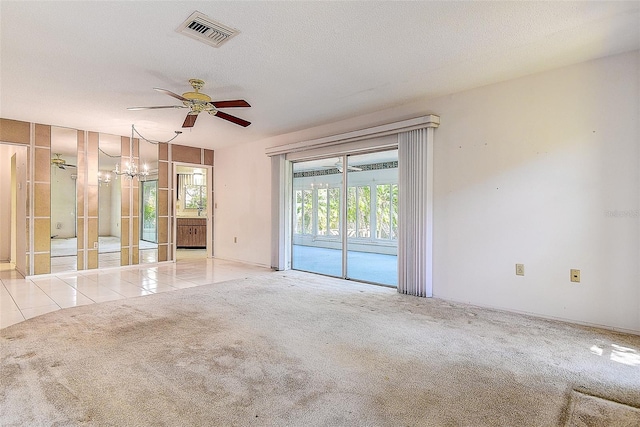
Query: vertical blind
point(415, 207)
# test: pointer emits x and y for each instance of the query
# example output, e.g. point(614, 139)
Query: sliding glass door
point(345, 220)
point(372, 217)
point(317, 229)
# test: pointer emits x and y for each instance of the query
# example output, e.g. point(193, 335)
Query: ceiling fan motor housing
point(196, 96)
point(197, 102)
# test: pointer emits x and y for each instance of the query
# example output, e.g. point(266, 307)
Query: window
point(307, 211)
point(323, 209)
point(334, 211)
point(298, 223)
point(387, 211)
point(359, 211)
point(363, 196)
point(351, 212)
point(304, 211)
point(192, 189)
point(323, 206)
point(195, 196)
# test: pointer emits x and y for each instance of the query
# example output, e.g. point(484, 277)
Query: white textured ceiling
point(299, 64)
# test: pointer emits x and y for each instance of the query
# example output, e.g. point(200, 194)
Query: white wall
point(242, 205)
point(541, 170)
point(528, 171)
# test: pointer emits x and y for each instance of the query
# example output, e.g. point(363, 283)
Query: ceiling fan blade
point(233, 119)
point(190, 120)
point(230, 104)
point(168, 92)
point(156, 108)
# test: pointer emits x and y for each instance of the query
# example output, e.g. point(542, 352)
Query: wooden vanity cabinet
point(191, 232)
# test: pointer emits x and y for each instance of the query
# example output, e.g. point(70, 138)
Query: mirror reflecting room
point(148, 190)
point(109, 201)
point(64, 176)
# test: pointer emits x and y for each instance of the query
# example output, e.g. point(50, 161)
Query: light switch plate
point(519, 269)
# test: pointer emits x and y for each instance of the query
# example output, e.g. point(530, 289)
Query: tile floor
point(21, 298)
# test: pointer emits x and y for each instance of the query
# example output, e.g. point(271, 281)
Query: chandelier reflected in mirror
point(130, 169)
point(104, 178)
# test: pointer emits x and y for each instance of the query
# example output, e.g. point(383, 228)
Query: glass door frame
point(344, 198)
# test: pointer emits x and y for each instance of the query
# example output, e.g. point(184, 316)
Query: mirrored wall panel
point(148, 245)
point(64, 178)
point(109, 202)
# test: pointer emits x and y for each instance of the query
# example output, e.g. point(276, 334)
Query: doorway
point(345, 217)
point(192, 212)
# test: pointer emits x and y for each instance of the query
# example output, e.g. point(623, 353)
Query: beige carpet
point(293, 349)
point(587, 411)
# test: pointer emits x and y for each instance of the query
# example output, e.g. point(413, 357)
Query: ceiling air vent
point(205, 29)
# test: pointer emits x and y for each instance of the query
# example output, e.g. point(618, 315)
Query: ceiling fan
point(198, 102)
point(60, 162)
point(338, 165)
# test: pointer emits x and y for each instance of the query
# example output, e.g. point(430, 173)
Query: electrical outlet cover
point(520, 269)
point(575, 275)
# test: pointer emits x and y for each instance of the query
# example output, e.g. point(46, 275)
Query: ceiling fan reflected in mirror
point(60, 163)
point(198, 102)
point(338, 165)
